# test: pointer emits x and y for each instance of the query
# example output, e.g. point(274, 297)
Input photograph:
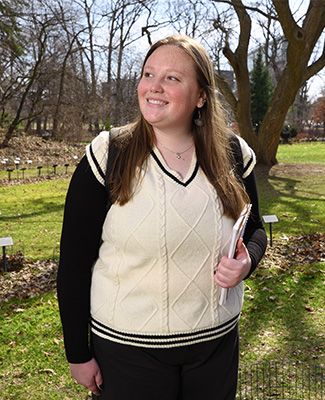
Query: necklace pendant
point(178, 156)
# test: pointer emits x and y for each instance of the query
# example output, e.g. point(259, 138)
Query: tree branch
point(230, 55)
point(250, 8)
point(290, 29)
point(315, 67)
point(314, 21)
point(245, 29)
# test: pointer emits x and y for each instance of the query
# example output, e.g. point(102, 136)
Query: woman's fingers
point(231, 271)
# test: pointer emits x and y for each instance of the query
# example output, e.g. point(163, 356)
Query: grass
point(283, 313)
point(299, 206)
point(283, 316)
point(31, 356)
point(32, 215)
point(307, 153)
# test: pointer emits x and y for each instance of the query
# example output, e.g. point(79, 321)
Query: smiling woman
point(148, 269)
point(169, 93)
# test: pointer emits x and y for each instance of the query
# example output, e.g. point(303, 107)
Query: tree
point(301, 38)
point(12, 45)
point(69, 47)
point(40, 29)
point(66, 78)
point(188, 17)
point(261, 90)
point(120, 87)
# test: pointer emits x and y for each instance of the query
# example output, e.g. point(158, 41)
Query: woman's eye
point(147, 74)
point(173, 78)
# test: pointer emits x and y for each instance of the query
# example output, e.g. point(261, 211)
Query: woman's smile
point(157, 102)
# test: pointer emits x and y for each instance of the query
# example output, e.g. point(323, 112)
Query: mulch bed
point(41, 151)
point(26, 279)
point(295, 250)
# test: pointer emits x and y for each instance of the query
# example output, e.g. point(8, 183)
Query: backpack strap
point(237, 156)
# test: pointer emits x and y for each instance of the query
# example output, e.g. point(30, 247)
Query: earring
point(198, 120)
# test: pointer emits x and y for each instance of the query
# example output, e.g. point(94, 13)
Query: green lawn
point(308, 153)
point(32, 215)
point(283, 316)
point(31, 352)
point(297, 201)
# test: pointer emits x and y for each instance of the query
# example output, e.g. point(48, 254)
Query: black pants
point(204, 371)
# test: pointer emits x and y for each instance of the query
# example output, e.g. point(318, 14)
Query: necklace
point(178, 154)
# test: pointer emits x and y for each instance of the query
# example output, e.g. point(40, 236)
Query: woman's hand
point(87, 374)
point(231, 271)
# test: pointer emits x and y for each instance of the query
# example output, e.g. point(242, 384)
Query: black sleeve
point(84, 214)
point(255, 236)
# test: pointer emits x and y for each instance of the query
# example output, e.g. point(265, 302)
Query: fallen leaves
point(40, 151)
point(291, 251)
point(35, 152)
point(30, 280)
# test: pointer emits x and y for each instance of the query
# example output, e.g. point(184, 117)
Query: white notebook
point(237, 232)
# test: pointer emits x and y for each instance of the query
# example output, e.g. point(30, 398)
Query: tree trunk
point(271, 127)
point(238, 61)
point(301, 44)
point(56, 115)
point(15, 122)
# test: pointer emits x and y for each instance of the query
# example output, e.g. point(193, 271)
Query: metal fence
point(281, 380)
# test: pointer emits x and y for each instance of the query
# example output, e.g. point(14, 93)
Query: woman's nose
point(156, 86)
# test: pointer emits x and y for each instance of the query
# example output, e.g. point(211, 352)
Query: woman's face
point(168, 91)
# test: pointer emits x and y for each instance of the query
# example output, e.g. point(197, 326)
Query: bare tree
point(92, 21)
point(41, 26)
point(188, 17)
point(301, 41)
point(122, 16)
point(12, 45)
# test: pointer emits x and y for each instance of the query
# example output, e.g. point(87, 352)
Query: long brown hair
point(211, 139)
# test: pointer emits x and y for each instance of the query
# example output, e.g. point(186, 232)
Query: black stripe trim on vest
point(160, 340)
point(100, 171)
point(248, 164)
point(171, 175)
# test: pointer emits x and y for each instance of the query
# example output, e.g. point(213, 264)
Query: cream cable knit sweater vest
point(152, 284)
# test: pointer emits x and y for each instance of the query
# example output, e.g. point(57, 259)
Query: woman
point(146, 271)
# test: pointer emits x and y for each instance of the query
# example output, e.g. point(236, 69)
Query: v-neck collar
point(193, 169)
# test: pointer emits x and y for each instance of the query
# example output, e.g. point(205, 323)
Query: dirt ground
point(297, 169)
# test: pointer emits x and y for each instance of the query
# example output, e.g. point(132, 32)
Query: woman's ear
point(202, 100)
